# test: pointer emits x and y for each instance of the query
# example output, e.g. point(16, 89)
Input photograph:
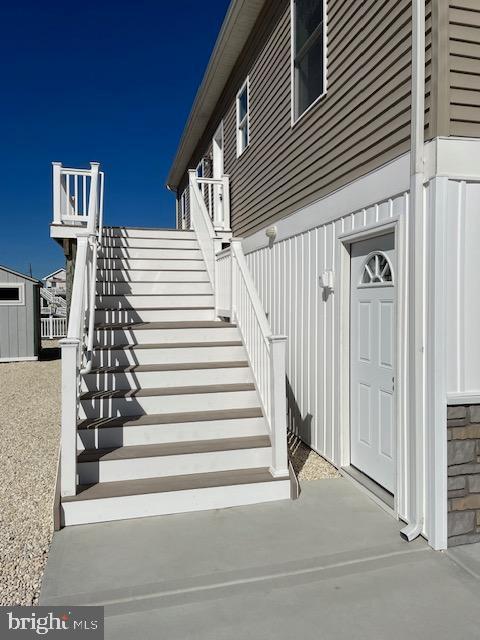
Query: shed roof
point(20, 275)
point(237, 26)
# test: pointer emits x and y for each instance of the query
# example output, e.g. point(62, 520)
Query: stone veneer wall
point(463, 426)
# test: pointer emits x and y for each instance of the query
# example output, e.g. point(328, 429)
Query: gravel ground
point(307, 464)
point(30, 435)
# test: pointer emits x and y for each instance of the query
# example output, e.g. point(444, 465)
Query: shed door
point(372, 358)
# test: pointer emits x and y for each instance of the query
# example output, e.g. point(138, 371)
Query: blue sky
point(111, 81)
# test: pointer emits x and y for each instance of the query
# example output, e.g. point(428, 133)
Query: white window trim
point(14, 303)
point(293, 117)
point(245, 85)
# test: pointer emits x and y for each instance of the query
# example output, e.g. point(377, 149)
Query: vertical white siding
point(463, 288)
point(287, 278)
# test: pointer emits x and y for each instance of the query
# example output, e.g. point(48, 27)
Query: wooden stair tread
point(171, 366)
point(171, 418)
point(168, 391)
point(172, 483)
point(173, 449)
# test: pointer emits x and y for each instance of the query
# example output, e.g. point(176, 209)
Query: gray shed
point(19, 316)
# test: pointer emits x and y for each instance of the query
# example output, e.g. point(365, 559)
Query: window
point(377, 271)
point(243, 116)
point(309, 54)
point(12, 294)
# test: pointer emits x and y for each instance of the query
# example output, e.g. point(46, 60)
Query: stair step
point(150, 288)
point(146, 232)
point(108, 501)
point(170, 345)
point(166, 391)
point(151, 264)
point(160, 460)
point(220, 424)
point(165, 275)
point(169, 375)
point(138, 326)
point(150, 243)
point(170, 418)
point(166, 301)
point(155, 314)
point(149, 253)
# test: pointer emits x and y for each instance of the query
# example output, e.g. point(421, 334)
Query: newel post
point(226, 202)
point(57, 195)
point(278, 405)
point(68, 449)
point(234, 243)
point(93, 200)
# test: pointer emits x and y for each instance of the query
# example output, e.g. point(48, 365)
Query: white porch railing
point(53, 328)
point(237, 298)
point(216, 195)
point(72, 192)
point(78, 345)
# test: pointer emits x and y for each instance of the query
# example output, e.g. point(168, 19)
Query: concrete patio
point(330, 565)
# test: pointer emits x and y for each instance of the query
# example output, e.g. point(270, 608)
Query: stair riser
point(159, 405)
point(151, 265)
point(131, 275)
point(150, 243)
point(162, 466)
point(167, 433)
point(165, 379)
point(108, 338)
point(152, 315)
point(154, 301)
point(156, 504)
point(151, 254)
point(109, 232)
point(121, 357)
point(149, 288)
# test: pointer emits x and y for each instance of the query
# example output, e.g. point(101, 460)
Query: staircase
point(170, 419)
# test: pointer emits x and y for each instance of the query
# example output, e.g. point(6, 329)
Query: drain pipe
point(416, 217)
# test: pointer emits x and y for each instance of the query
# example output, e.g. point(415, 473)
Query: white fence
point(53, 328)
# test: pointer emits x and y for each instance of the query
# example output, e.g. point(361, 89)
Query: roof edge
point(240, 18)
point(20, 275)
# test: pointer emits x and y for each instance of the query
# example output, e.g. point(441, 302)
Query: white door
point(372, 358)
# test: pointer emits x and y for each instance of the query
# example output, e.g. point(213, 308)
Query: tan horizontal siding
point(361, 123)
point(464, 61)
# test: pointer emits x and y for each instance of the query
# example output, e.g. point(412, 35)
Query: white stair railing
point(203, 226)
point(216, 195)
point(77, 346)
point(237, 298)
point(56, 304)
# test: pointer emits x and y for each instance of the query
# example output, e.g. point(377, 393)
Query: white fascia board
point(454, 158)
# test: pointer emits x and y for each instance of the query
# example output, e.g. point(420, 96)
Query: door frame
point(393, 225)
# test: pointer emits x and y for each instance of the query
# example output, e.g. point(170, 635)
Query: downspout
point(416, 215)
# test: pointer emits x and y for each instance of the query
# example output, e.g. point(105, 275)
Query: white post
point(233, 286)
point(50, 326)
point(278, 409)
point(57, 196)
point(93, 204)
point(68, 460)
point(226, 202)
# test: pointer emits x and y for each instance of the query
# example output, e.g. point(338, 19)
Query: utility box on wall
point(19, 316)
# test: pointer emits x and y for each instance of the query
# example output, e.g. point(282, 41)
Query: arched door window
point(377, 271)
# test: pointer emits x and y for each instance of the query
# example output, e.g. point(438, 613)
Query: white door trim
point(342, 446)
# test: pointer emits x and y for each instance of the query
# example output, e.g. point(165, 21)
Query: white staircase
point(170, 418)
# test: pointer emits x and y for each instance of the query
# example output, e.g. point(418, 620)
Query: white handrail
point(82, 305)
point(266, 352)
point(202, 224)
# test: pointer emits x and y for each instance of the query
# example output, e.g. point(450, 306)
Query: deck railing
point(53, 327)
point(237, 299)
point(72, 191)
point(78, 345)
point(216, 195)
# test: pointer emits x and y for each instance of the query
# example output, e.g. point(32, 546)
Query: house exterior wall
point(361, 123)
point(19, 324)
